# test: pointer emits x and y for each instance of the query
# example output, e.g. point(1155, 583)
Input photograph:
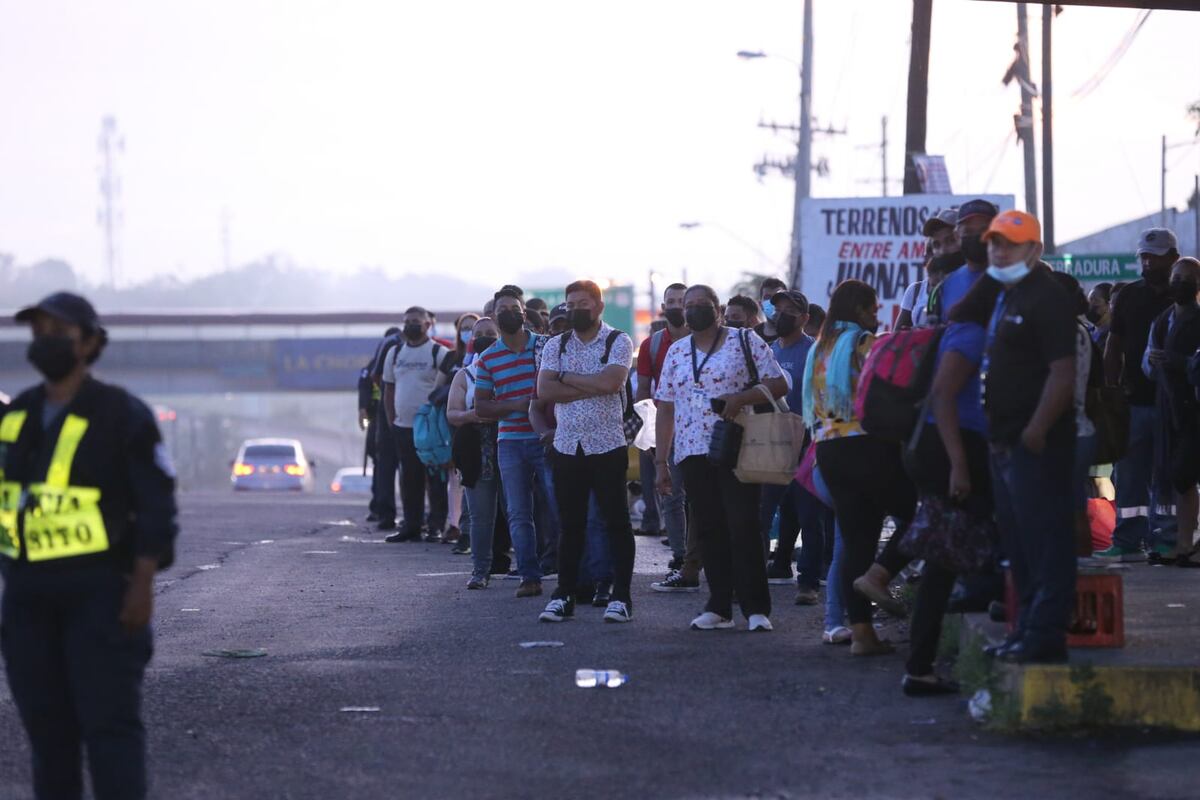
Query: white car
point(267, 465)
point(351, 480)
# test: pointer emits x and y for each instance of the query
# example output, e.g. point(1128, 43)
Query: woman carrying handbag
point(707, 379)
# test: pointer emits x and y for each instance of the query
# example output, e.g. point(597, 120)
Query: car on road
point(352, 480)
point(269, 465)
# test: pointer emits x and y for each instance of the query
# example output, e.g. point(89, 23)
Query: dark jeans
point(383, 481)
point(651, 521)
point(867, 482)
point(725, 521)
point(413, 480)
point(576, 477)
point(76, 679)
point(937, 582)
point(799, 512)
point(1034, 510)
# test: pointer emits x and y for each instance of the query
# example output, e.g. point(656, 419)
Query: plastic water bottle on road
point(593, 678)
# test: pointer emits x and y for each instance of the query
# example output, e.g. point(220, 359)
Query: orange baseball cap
point(1016, 226)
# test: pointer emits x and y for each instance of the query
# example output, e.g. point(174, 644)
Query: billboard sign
point(1098, 268)
point(321, 364)
point(877, 240)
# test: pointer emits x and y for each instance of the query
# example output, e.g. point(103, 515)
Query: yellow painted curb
point(1154, 697)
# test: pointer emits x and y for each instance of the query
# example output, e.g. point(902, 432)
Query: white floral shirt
point(725, 373)
point(595, 423)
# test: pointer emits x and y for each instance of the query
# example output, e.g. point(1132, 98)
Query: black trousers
point(937, 582)
point(867, 481)
point(725, 518)
point(414, 479)
point(383, 481)
point(575, 478)
point(76, 679)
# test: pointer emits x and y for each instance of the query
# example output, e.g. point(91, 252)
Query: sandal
point(880, 648)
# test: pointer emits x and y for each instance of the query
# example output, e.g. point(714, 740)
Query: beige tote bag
point(771, 444)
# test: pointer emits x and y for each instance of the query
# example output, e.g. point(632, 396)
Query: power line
point(1122, 48)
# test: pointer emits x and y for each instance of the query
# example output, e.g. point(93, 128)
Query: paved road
point(465, 712)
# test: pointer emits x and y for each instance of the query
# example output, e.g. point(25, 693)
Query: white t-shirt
point(413, 371)
point(916, 298)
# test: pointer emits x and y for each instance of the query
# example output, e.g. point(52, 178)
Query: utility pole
point(803, 166)
point(226, 245)
point(1196, 217)
point(883, 143)
point(1163, 194)
point(1047, 131)
point(1024, 120)
point(109, 215)
point(918, 92)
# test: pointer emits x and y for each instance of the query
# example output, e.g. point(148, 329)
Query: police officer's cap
point(67, 307)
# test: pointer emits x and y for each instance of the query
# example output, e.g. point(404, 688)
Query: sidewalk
point(1152, 682)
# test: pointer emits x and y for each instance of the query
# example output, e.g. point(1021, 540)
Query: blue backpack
point(431, 438)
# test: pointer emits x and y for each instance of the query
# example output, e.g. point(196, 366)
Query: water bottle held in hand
point(604, 678)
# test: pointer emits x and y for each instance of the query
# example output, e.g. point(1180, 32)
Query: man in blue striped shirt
point(504, 387)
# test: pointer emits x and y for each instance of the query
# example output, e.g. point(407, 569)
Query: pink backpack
point(894, 381)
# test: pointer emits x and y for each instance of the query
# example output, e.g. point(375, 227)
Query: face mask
point(1094, 316)
point(414, 331)
point(785, 325)
point(480, 344)
point(974, 249)
point(1183, 291)
point(464, 337)
point(580, 319)
point(1011, 274)
point(53, 356)
point(674, 317)
point(768, 309)
point(700, 318)
point(948, 262)
point(1156, 275)
point(510, 321)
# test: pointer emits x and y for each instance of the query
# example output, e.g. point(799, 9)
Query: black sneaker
point(602, 595)
point(386, 526)
point(372, 517)
point(779, 574)
point(675, 582)
point(674, 565)
point(558, 611)
point(501, 567)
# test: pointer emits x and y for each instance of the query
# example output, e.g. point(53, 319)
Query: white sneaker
point(708, 621)
point(838, 635)
point(759, 622)
point(617, 612)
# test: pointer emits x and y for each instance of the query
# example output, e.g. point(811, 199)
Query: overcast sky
point(492, 140)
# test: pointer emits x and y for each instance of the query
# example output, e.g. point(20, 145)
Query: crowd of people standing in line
point(540, 402)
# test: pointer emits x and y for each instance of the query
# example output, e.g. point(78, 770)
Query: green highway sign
point(618, 304)
point(1098, 268)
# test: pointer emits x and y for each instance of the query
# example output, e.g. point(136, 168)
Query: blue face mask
point(1009, 275)
point(465, 336)
point(768, 309)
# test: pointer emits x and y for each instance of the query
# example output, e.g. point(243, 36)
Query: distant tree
point(748, 284)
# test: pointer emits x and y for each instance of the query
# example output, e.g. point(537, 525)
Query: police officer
point(87, 516)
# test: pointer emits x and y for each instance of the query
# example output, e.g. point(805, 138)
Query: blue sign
point(323, 364)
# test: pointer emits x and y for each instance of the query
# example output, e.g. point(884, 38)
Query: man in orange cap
point(1029, 385)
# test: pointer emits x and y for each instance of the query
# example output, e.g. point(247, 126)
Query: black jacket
point(121, 454)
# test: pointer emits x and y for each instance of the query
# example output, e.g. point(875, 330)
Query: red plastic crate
point(1099, 619)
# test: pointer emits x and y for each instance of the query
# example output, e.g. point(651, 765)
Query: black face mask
point(53, 356)
point(1094, 316)
point(785, 324)
point(510, 321)
point(414, 331)
point(580, 319)
point(733, 323)
point(974, 249)
point(1183, 291)
point(1156, 274)
point(480, 344)
point(700, 318)
point(948, 262)
point(674, 317)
